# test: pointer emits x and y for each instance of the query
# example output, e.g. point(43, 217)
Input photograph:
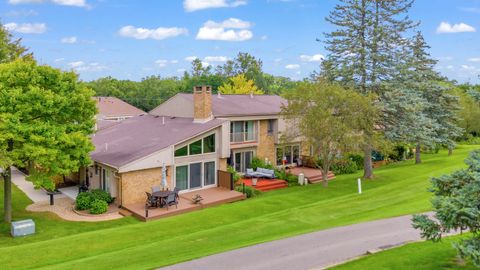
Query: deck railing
point(225, 179)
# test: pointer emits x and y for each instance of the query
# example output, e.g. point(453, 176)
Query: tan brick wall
point(266, 143)
point(305, 149)
point(222, 164)
point(135, 184)
point(202, 99)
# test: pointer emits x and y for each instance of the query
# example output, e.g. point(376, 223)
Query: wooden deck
point(211, 197)
point(266, 184)
point(313, 175)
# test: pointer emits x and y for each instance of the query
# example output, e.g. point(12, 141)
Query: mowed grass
point(420, 255)
point(398, 189)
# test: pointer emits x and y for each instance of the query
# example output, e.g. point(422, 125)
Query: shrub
point(234, 173)
point(98, 207)
point(250, 192)
point(284, 175)
point(101, 195)
point(83, 201)
point(345, 166)
point(357, 159)
point(260, 163)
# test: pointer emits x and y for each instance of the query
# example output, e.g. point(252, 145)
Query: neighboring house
point(115, 109)
point(193, 136)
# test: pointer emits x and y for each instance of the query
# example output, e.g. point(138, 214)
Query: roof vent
point(251, 94)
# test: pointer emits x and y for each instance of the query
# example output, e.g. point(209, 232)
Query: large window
point(209, 144)
point(242, 160)
point(195, 175)
point(242, 131)
point(205, 145)
point(291, 154)
point(195, 148)
point(181, 177)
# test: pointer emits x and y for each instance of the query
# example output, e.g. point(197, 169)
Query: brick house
point(193, 135)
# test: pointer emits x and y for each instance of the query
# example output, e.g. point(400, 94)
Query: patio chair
point(171, 199)
point(151, 201)
point(177, 190)
point(155, 189)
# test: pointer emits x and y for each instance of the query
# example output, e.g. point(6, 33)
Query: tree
point(246, 64)
point(361, 55)
point(11, 49)
point(330, 118)
point(456, 204)
point(240, 85)
point(200, 69)
point(46, 118)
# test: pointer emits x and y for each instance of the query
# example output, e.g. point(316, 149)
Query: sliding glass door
point(195, 175)
point(242, 160)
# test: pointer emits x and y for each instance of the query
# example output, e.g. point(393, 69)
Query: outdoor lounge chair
point(261, 173)
point(177, 190)
point(171, 199)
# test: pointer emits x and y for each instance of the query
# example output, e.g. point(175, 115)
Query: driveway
point(311, 251)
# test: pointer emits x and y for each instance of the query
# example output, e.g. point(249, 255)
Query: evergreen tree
point(10, 48)
point(364, 49)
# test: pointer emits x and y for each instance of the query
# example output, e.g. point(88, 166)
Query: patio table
point(162, 194)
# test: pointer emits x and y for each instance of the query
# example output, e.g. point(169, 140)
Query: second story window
point(242, 131)
point(270, 127)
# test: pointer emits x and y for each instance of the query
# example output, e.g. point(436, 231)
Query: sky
point(129, 39)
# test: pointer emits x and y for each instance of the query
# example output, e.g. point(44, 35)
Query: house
point(193, 136)
point(256, 125)
point(115, 109)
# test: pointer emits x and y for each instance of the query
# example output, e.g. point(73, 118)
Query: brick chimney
point(202, 102)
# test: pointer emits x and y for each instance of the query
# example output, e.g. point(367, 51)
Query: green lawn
point(421, 255)
point(398, 189)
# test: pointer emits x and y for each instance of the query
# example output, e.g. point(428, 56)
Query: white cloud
point(74, 3)
point(22, 13)
point(194, 5)
point(263, 37)
point(69, 40)
point(446, 27)
point(181, 70)
point(445, 58)
point(292, 66)
point(88, 67)
point(175, 61)
point(468, 67)
point(472, 10)
point(27, 28)
point(190, 58)
point(312, 58)
point(474, 59)
point(158, 34)
point(161, 63)
point(59, 60)
point(215, 59)
point(225, 31)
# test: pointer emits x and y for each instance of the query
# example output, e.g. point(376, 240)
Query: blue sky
point(133, 39)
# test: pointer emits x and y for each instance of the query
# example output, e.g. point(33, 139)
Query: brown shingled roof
point(140, 136)
point(115, 107)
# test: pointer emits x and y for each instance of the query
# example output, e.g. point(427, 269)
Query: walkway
point(36, 195)
point(311, 251)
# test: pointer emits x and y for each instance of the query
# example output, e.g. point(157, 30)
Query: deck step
point(124, 212)
point(272, 186)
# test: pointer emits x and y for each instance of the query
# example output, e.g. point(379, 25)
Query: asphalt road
point(311, 251)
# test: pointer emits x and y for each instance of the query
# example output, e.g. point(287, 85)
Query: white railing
point(238, 137)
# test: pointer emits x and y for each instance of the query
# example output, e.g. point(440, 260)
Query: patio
point(211, 197)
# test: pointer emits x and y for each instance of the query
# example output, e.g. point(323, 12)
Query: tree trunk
point(325, 177)
point(7, 193)
point(418, 160)
point(450, 151)
point(7, 189)
point(367, 163)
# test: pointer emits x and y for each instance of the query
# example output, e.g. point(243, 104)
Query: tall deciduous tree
point(330, 118)
point(240, 85)
point(364, 48)
point(456, 204)
point(46, 118)
point(10, 48)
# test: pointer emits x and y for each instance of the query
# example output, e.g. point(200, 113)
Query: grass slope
point(398, 189)
point(421, 255)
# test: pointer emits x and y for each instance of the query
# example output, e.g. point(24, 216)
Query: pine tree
point(364, 49)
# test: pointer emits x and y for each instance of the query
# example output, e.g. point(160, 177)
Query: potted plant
point(254, 181)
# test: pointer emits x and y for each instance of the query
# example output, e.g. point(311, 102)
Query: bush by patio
point(88, 200)
point(249, 191)
point(83, 201)
point(98, 207)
